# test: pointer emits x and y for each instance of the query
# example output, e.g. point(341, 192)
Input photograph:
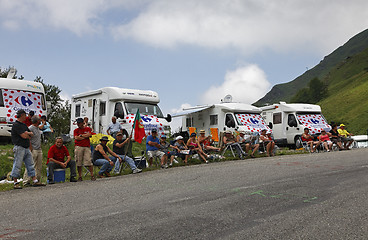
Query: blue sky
point(191, 52)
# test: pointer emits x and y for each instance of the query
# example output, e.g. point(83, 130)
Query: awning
point(190, 111)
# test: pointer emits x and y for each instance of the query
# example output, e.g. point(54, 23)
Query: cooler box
point(59, 175)
point(140, 163)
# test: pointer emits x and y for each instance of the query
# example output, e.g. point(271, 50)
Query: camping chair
point(304, 144)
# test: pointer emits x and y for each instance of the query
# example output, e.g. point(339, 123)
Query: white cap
point(178, 138)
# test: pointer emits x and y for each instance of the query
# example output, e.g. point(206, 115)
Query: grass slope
point(285, 91)
point(347, 100)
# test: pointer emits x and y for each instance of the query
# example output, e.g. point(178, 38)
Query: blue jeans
point(21, 155)
point(127, 159)
point(106, 167)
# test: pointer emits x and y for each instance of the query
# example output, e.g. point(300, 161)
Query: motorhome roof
point(9, 83)
point(293, 107)
point(232, 107)
point(116, 93)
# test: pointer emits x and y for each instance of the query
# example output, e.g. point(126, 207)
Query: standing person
point(28, 120)
point(114, 127)
point(100, 158)
point(35, 147)
point(56, 160)
point(83, 148)
point(119, 146)
point(152, 147)
point(21, 135)
point(345, 137)
point(46, 128)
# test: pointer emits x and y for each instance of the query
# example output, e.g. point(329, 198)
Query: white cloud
point(245, 84)
point(176, 122)
point(248, 25)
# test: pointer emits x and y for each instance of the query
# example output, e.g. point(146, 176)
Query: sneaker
point(170, 164)
point(17, 186)
point(166, 166)
point(72, 179)
point(175, 161)
point(207, 161)
point(137, 170)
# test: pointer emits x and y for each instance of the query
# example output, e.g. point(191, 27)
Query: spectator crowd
point(28, 133)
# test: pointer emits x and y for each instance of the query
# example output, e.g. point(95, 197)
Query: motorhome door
point(292, 127)
point(230, 123)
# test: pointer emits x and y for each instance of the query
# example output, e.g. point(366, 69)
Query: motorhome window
point(189, 122)
point(144, 109)
point(102, 108)
point(77, 110)
point(1, 98)
point(277, 118)
point(43, 102)
point(229, 121)
point(292, 120)
point(118, 110)
point(214, 119)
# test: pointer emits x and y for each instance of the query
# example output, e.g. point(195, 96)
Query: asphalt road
point(310, 196)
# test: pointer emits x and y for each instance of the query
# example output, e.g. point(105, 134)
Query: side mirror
point(270, 125)
point(168, 118)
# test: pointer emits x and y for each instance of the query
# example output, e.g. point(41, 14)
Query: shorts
point(156, 153)
point(83, 156)
point(346, 139)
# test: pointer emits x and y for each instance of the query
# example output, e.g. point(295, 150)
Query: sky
point(190, 52)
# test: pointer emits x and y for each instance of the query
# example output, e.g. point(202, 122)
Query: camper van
point(18, 94)
point(289, 120)
point(100, 105)
point(223, 116)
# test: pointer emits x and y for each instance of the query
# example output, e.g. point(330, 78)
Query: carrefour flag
point(139, 132)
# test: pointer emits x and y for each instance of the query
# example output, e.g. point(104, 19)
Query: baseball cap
point(178, 138)
point(163, 136)
point(154, 130)
point(342, 125)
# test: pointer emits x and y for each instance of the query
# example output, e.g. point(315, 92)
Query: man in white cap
point(180, 149)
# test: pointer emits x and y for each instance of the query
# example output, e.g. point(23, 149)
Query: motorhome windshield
point(315, 120)
point(251, 119)
point(144, 109)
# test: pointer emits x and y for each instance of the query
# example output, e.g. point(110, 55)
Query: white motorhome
point(100, 105)
point(289, 120)
point(18, 94)
point(223, 116)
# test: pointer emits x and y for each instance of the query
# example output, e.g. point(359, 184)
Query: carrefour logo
point(34, 86)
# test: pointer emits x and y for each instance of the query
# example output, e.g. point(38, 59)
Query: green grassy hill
point(347, 100)
point(285, 91)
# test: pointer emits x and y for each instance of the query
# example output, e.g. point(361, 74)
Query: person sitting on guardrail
point(267, 142)
point(100, 158)
point(153, 146)
point(306, 137)
point(119, 146)
point(345, 137)
point(56, 160)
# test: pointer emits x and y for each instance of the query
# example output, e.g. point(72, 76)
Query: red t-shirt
point(85, 142)
point(28, 121)
point(59, 154)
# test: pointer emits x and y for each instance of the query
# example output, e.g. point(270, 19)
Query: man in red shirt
point(56, 159)
point(83, 148)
